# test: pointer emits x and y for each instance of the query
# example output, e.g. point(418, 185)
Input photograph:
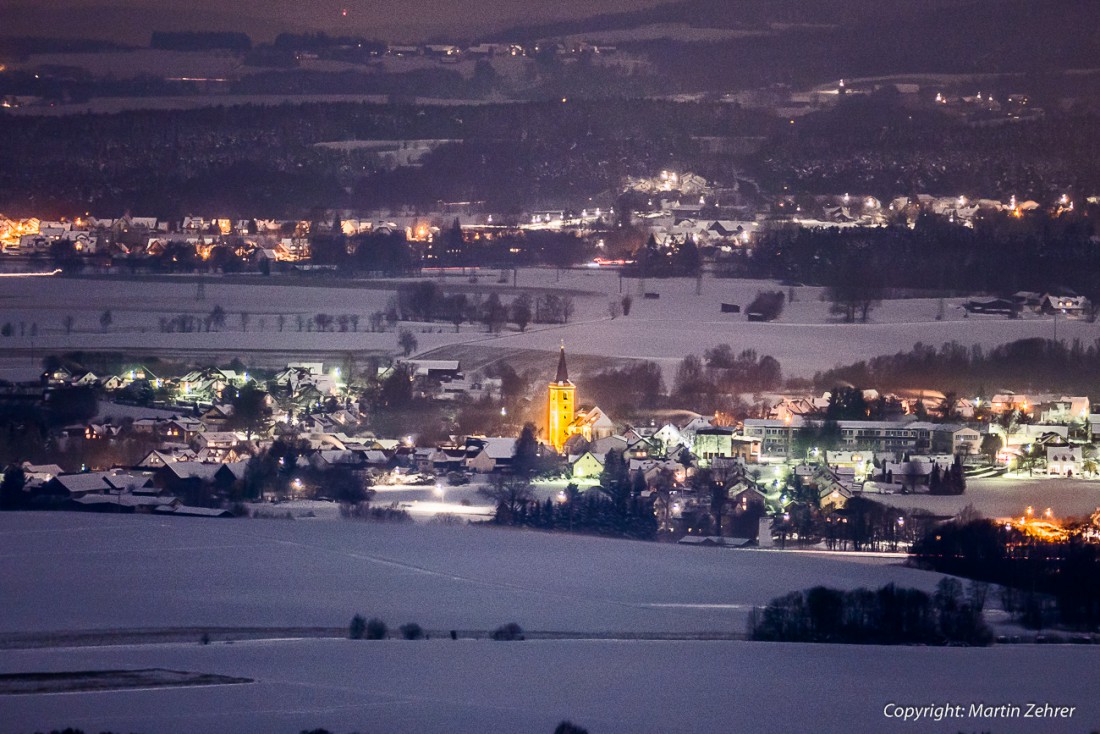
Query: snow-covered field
point(653, 687)
point(104, 572)
point(1010, 497)
point(67, 572)
point(805, 339)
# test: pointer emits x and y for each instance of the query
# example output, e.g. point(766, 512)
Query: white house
point(1064, 461)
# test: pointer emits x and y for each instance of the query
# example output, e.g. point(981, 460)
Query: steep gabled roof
point(563, 371)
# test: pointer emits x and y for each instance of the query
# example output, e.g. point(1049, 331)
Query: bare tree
point(521, 311)
point(509, 493)
point(217, 318)
point(407, 341)
point(567, 308)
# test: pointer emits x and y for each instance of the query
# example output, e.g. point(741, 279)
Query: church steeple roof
point(563, 371)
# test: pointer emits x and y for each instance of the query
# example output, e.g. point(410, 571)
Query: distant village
point(669, 210)
point(210, 440)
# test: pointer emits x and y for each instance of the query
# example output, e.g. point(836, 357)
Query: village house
point(217, 417)
point(587, 465)
point(717, 442)
point(950, 438)
point(1064, 461)
point(327, 460)
point(1065, 409)
point(487, 455)
point(65, 487)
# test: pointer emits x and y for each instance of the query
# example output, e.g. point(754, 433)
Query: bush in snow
point(508, 632)
point(376, 629)
point(357, 628)
point(568, 727)
point(412, 631)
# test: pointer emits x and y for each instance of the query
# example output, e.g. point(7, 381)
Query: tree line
point(1025, 364)
point(427, 301)
point(890, 615)
point(1002, 254)
point(1048, 582)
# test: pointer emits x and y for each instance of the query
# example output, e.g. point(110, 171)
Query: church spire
point(563, 371)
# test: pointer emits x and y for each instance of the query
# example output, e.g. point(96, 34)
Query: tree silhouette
point(251, 413)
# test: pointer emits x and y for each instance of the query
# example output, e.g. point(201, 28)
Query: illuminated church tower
point(561, 403)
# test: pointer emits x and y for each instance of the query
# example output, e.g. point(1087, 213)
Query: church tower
point(561, 403)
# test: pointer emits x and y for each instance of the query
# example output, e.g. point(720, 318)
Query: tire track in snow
point(519, 588)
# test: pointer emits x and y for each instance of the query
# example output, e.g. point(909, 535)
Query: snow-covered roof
point(194, 470)
point(499, 448)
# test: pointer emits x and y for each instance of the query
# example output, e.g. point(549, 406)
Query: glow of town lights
point(30, 275)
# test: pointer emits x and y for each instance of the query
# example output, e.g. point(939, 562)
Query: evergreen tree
point(934, 480)
point(11, 489)
point(250, 410)
point(525, 455)
point(615, 480)
point(688, 261)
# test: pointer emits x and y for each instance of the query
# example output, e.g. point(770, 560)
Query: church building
point(563, 416)
point(561, 404)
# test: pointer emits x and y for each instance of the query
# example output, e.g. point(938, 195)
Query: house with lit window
point(587, 465)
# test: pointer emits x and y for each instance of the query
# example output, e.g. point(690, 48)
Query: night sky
point(132, 21)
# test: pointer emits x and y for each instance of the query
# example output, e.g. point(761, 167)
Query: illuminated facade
point(561, 403)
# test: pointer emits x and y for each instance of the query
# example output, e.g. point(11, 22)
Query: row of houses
point(127, 491)
point(297, 387)
point(452, 53)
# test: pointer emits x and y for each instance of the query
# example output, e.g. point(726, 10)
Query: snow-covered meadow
point(805, 339)
point(70, 572)
point(610, 687)
point(111, 571)
point(1009, 496)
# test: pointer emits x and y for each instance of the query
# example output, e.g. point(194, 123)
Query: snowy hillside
point(103, 572)
point(82, 572)
point(805, 339)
